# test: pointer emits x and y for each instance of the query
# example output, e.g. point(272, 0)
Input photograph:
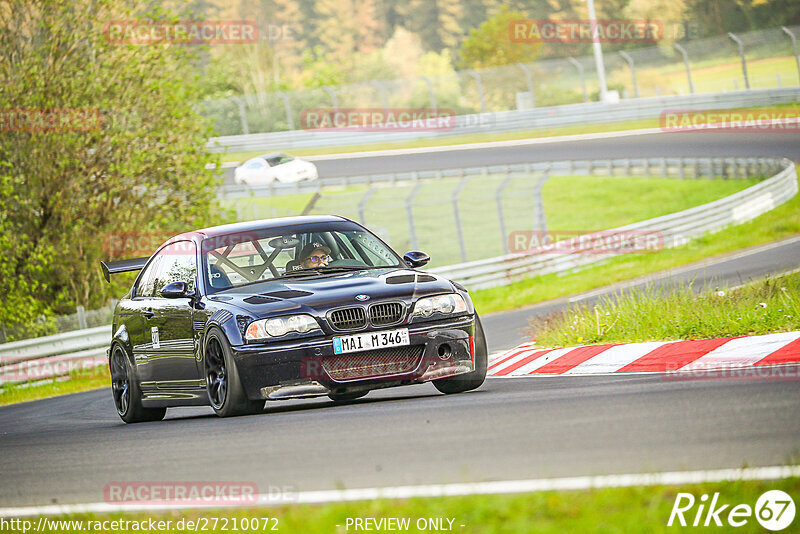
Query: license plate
point(370, 341)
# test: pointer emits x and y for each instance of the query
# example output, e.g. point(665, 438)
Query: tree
point(125, 155)
point(490, 44)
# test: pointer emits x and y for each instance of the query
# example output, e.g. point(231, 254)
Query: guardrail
point(675, 229)
point(52, 356)
point(516, 120)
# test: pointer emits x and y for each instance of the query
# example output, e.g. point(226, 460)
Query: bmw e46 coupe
point(298, 307)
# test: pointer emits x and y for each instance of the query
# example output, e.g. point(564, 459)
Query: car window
point(248, 257)
point(280, 159)
point(178, 264)
point(145, 287)
point(254, 164)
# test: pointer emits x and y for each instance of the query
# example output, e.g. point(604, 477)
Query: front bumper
point(306, 367)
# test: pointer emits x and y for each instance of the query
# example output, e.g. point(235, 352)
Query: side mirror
point(416, 258)
point(175, 290)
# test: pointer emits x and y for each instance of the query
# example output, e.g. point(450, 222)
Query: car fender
point(121, 337)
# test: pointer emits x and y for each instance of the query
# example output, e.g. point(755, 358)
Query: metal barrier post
point(541, 217)
point(529, 80)
point(477, 77)
point(328, 89)
point(81, 318)
point(788, 32)
point(740, 44)
point(410, 212)
point(629, 60)
point(363, 203)
point(288, 108)
point(242, 114)
point(498, 196)
point(457, 217)
point(582, 74)
point(685, 55)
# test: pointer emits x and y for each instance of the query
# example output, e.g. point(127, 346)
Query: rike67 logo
point(774, 510)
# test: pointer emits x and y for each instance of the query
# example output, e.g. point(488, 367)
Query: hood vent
point(258, 299)
point(400, 279)
point(288, 294)
point(409, 278)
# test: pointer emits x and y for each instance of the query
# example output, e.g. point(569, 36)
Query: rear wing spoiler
point(122, 266)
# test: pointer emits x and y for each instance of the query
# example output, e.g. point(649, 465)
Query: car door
point(138, 322)
point(171, 359)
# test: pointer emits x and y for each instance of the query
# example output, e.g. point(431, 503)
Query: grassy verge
point(630, 510)
point(762, 307)
point(475, 138)
point(780, 222)
point(83, 380)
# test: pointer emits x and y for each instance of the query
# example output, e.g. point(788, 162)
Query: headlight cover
point(280, 326)
point(444, 304)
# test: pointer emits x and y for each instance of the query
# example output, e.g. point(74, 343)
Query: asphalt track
point(67, 449)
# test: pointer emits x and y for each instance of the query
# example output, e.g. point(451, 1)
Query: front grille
point(348, 318)
point(373, 363)
point(385, 313)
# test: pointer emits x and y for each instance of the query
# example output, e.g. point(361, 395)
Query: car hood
point(317, 295)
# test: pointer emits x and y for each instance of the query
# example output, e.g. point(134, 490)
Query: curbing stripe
point(658, 356)
point(673, 356)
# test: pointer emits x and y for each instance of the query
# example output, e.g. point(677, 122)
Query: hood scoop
point(409, 278)
point(258, 299)
point(288, 294)
point(401, 279)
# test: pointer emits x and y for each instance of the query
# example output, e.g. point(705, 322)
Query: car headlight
point(445, 304)
point(280, 326)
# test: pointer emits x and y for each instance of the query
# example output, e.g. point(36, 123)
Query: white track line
point(440, 490)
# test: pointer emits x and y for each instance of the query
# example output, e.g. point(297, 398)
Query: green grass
point(630, 510)
point(83, 380)
point(780, 222)
point(474, 138)
point(712, 76)
point(763, 307)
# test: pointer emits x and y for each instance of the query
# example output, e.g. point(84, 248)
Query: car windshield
point(280, 159)
point(313, 250)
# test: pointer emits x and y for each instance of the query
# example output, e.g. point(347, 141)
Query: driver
point(314, 255)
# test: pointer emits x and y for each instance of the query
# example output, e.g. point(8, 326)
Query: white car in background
point(269, 168)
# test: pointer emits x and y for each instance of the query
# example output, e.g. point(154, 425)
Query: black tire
point(225, 392)
point(126, 392)
point(473, 380)
point(347, 396)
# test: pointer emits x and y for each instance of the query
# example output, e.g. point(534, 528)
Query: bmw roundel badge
point(362, 298)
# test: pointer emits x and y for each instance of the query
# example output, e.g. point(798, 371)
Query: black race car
point(297, 307)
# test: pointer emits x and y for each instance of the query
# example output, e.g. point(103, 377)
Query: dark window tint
point(178, 264)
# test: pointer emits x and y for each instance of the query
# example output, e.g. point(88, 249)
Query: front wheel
point(473, 380)
point(225, 391)
point(126, 392)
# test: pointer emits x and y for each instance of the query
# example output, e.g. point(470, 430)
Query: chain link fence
point(714, 65)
